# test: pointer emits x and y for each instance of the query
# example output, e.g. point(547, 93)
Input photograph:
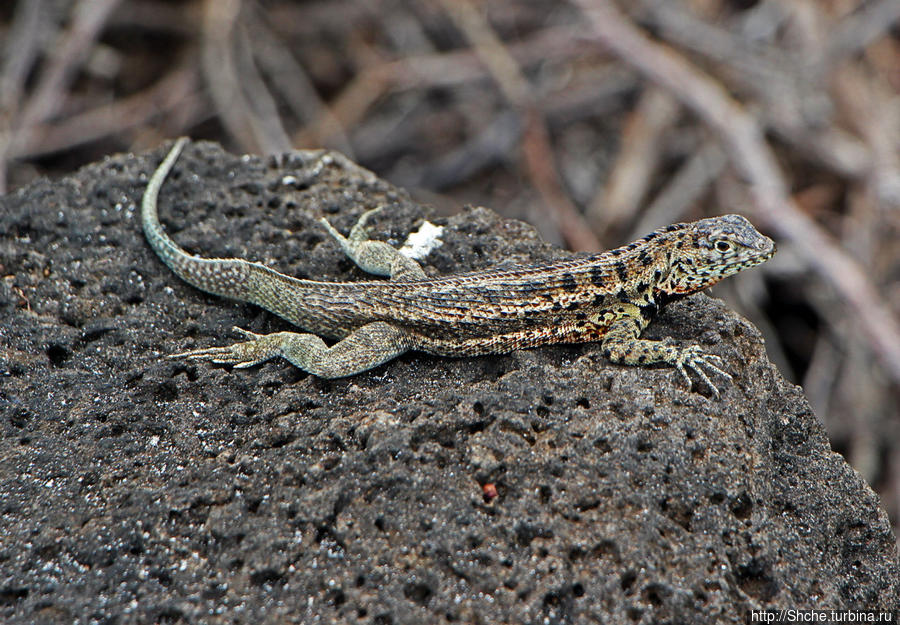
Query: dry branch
point(536, 146)
point(742, 138)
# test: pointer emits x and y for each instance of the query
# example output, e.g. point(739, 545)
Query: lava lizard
point(609, 297)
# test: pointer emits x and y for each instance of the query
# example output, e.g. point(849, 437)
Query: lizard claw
point(694, 358)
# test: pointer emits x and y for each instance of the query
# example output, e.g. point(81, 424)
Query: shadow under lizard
point(609, 297)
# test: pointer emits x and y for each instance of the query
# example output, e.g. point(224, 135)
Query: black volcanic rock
point(138, 489)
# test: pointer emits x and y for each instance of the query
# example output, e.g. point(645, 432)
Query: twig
point(48, 97)
point(264, 117)
point(258, 131)
point(492, 143)
point(49, 94)
point(859, 30)
point(116, 116)
point(536, 147)
point(432, 70)
point(685, 188)
point(220, 72)
point(788, 90)
point(19, 53)
point(875, 115)
point(637, 161)
point(348, 107)
point(743, 140)
point(290, 78)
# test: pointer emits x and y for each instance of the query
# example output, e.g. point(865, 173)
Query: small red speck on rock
point(489, 491)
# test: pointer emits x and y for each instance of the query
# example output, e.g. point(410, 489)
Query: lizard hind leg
point(375, 257)
point(363, 349)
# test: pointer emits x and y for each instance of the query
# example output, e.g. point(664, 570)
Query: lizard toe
point(696, 359)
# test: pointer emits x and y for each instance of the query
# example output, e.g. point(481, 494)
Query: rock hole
point(419, 593)
point(166, 391)
point(19, 418)
point(336, 597)
point(552, 599)
point(215, 591)
point(655, 594)
point(578, 589)
point(478, 408)
point(94, 333)
point(605, 548)
point(58, 354)
point(755, 580)
point(583, 402)
point(11, 594)
point(602, 444)
point(627, 581)
point(544, 493)
point(742, 506)
point(266, 575)
point(169, 614)
point(527, 532)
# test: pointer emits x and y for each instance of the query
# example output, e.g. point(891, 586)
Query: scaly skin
point(609, 297)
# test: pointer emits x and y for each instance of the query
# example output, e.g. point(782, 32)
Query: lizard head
point(710, 250)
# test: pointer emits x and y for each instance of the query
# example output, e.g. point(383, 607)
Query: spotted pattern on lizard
point(609, 297)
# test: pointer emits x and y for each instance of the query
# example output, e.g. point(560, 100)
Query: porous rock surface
point(137, 489)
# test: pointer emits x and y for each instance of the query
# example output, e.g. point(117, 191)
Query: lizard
point(608, 298)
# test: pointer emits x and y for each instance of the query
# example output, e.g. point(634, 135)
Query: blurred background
point(594, 121)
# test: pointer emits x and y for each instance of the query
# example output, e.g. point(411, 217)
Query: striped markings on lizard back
point(609, 297)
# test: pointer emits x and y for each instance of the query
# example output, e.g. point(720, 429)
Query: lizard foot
point(240, 355)
point(694, 357)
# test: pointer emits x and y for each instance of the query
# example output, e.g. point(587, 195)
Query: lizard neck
point(642, 267)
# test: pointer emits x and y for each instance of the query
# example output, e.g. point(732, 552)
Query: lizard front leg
point(621, 345)
point(375, 257)
point(363, 349)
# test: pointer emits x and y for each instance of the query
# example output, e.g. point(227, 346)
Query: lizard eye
point(723, 246)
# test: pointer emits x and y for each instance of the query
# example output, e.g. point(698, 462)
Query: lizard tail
point(306, 303)
point(226, 277)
